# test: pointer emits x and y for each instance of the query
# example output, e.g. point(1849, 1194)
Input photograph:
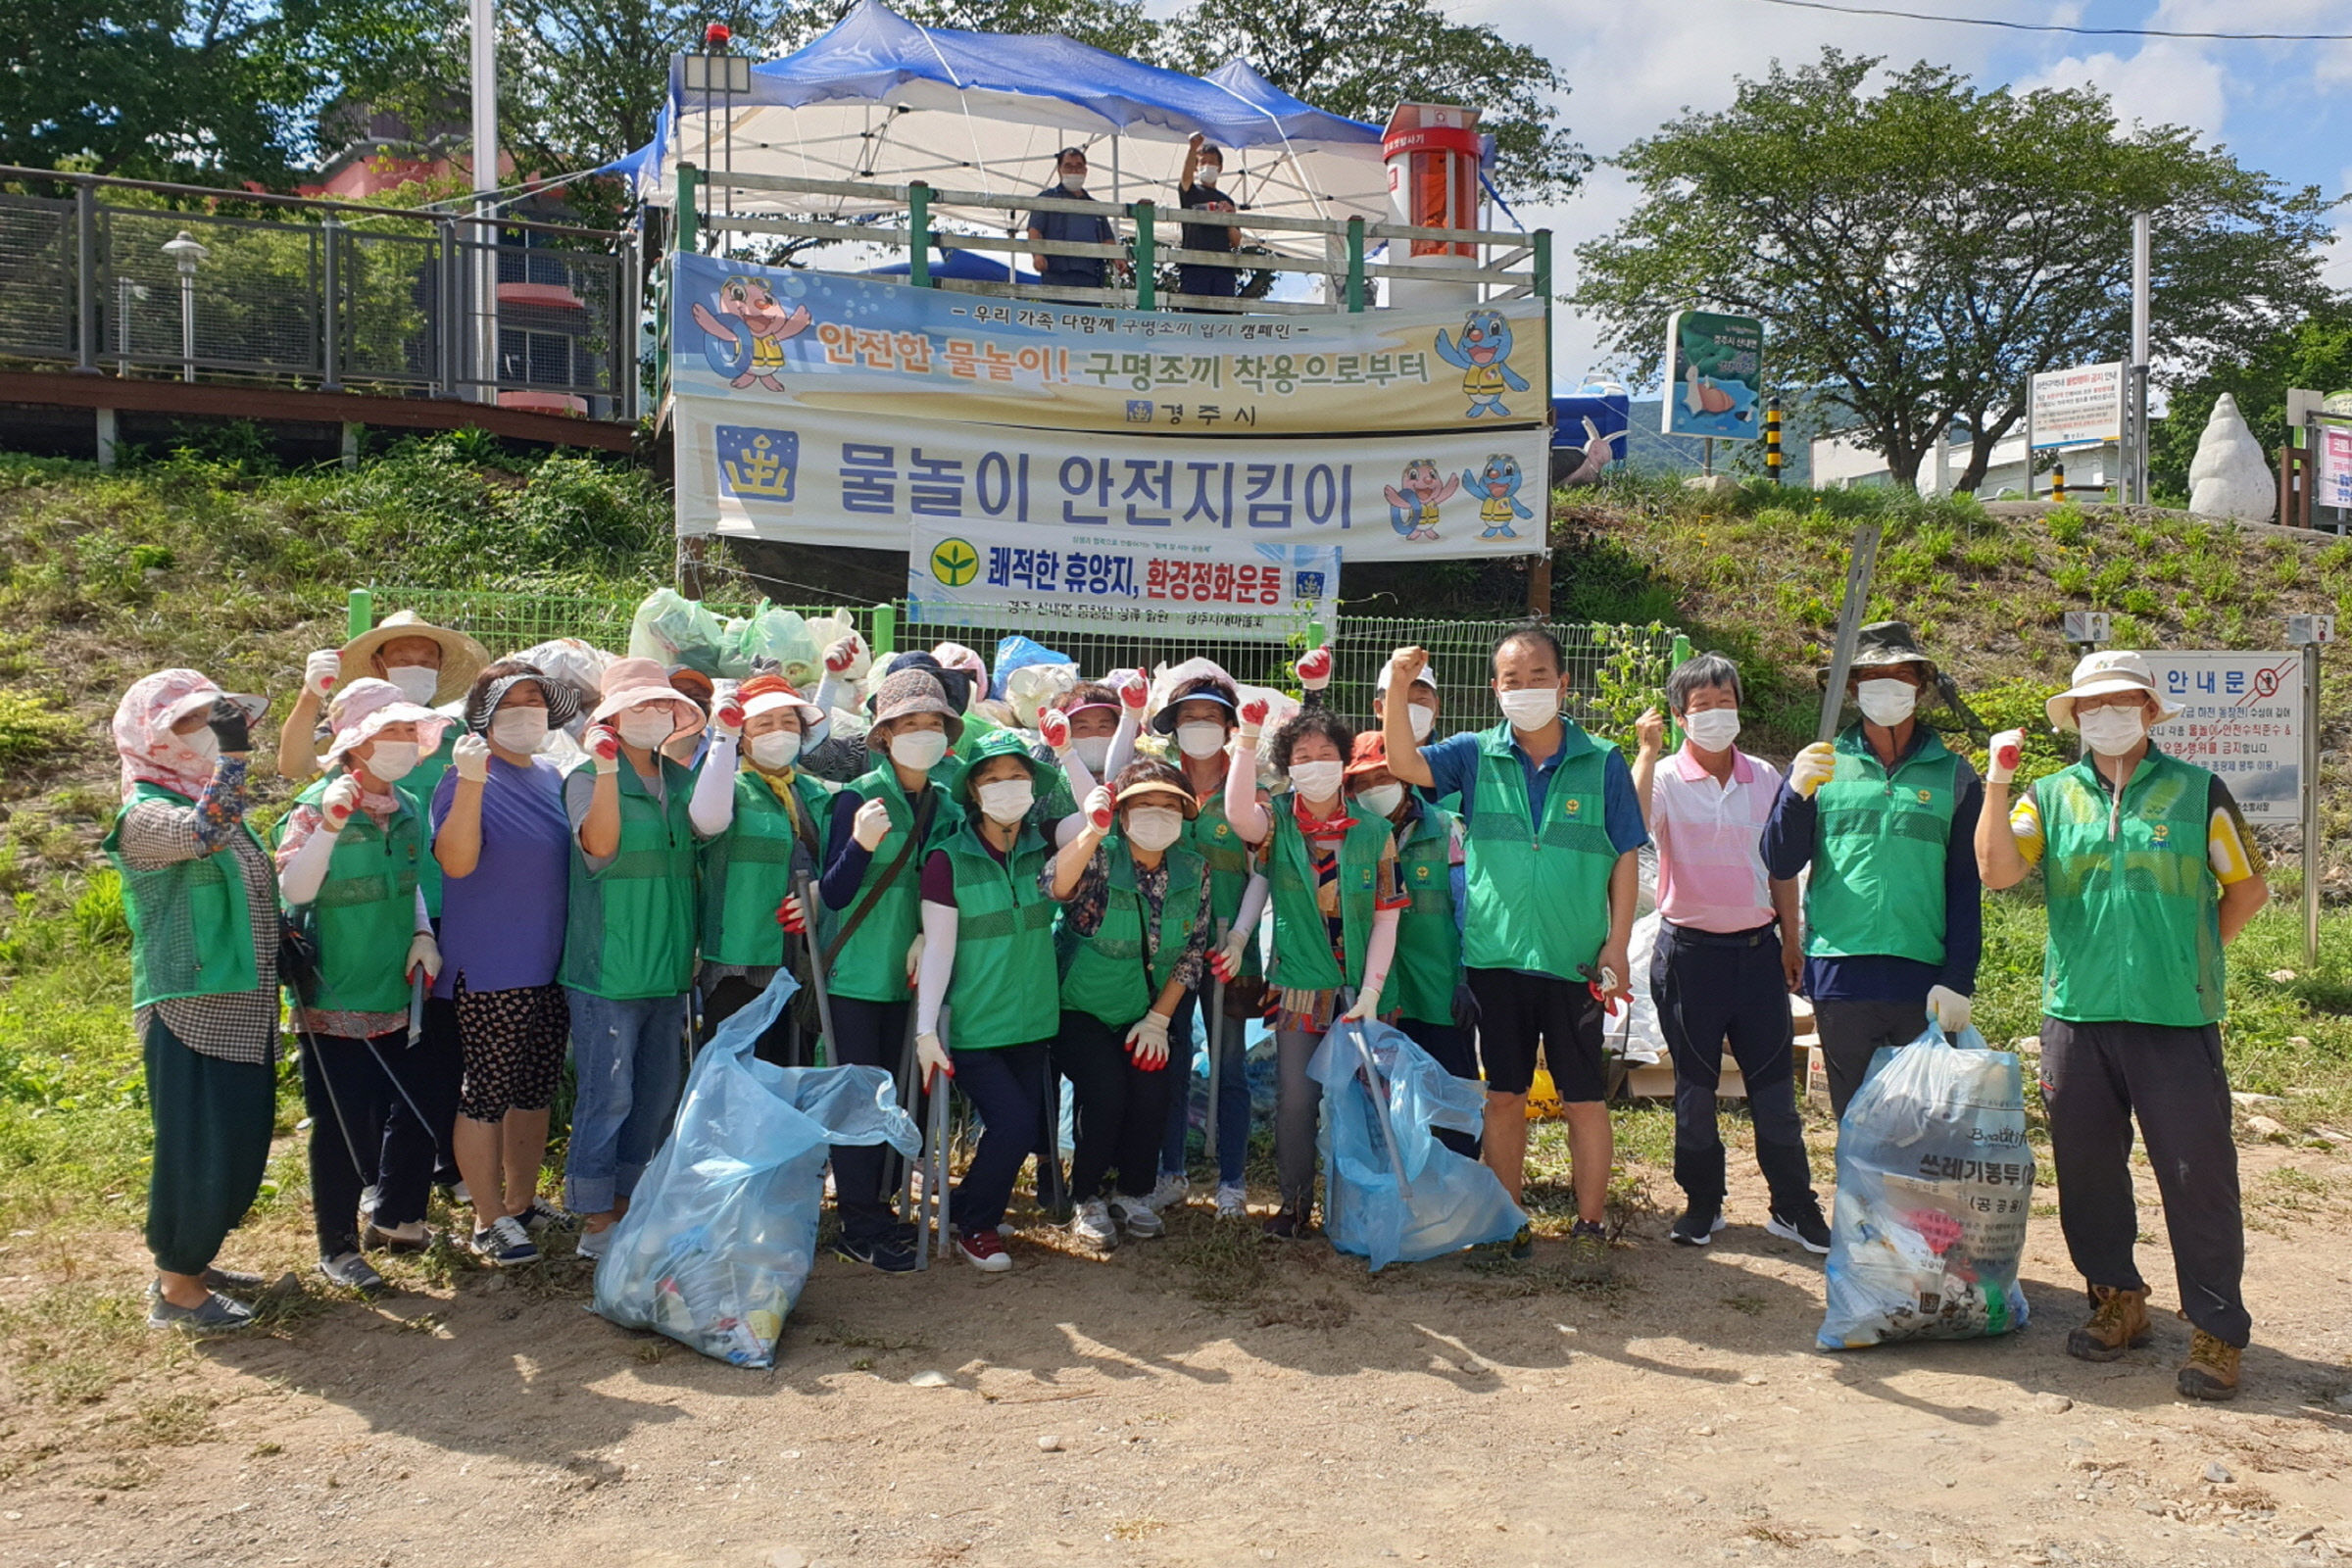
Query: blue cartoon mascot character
point(1496, 486)
point(1413, 509)
point(756, 353)
point(1484, 356)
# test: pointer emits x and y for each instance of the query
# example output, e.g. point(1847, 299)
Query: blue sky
point(2282, 108)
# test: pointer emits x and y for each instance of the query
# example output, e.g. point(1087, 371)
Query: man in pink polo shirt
point(1727, 952)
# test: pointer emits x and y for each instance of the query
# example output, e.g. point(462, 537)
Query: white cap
point(1424, 679)
point(2109, 671)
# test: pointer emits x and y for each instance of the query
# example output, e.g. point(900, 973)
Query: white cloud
point(2168, 81)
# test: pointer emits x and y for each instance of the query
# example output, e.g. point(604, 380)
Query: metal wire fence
point(1613, 671)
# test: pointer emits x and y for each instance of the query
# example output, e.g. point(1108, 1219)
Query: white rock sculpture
point(2228, 477)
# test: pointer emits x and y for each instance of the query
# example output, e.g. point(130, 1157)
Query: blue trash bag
point(1448, 1200)
point(1934, 1183)
point(719, 1235)
point(1017, 653)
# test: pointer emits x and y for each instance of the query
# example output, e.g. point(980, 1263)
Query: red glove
point(603, 742)
point(790, 917)
point(1314, 668)
point(729, 716)
point(842, 655)
point(1134, 692)
point(1098, 809)
point(1055, 726)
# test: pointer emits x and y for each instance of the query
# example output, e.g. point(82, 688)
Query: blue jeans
point(1233, 1094)
point(630, 1061)
point(1003, 1084)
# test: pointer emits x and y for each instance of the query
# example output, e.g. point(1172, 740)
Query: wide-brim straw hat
point(461, 657)
point(2104, 673)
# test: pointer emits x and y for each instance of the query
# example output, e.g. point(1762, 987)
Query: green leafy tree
point(2315, 354)
point(1918, 251)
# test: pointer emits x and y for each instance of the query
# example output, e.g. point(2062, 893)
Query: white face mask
point(1530, 708)
point(1380, 800)
point(647, 731)
point(776, 750)
point(520, 729)
point(1206, 177)
point(2112, 731)
point(918, 748)
point(1423, 719)
point(1154, 827)
point(391, 760)
point(1317, 781)
point(1075, 184)
point(205, 744)
point(1712, 729)
point(1887, 703)
point(417, 682)
point(1201, 739)
point(1095, 752)
point(1006, 800)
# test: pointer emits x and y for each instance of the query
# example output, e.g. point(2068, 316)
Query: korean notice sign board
point(2331, 465)
point(996, 574)
point(2241, 717)
point(2077, 407)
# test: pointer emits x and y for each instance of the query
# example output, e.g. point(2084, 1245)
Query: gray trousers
point(2095, 1077)
point(1298, 1112)
point(1851, 1032)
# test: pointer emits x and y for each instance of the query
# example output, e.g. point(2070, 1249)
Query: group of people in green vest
point(1023, 912)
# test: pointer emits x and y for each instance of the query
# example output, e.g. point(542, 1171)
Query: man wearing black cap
point(1888, 817)
point(1084, 228)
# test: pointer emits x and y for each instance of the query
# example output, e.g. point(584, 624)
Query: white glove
point(849, 659)
point(1950, 1008)
point(342, 798)
point(915, 958)
point(603, 744)
point(2000, 763)
point(1367, 1003)
point(320, 671)
point(425, 952)
point(1814, 766)
point(1226, 962)
point(871, 825)
point(932, 1054)
point(1148, 1041)
point(470, 756)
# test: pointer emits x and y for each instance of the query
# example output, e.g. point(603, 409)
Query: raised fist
point(1315, 669)
point(728, 716)
point(871, 825)
point(1405, 665)
point(1098, 809)
point(470, 756)
point(342, 798)
point(1134, 692)
point(2007, 747)
point(1053, 727)
point(320, 671)
point(603, 744)
point(848, 657)
point(1253, 719)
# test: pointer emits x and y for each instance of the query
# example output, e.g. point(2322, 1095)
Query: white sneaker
point(592, 1244)
point(1172, 1190)
point(1137, 1218)
point(1092, 1224)
point(1233, 1202)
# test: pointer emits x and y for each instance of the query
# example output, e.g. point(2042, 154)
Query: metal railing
point(326, 296)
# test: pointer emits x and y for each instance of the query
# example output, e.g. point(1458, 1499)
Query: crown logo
point(755, 463)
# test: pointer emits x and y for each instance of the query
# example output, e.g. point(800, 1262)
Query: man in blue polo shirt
point(1551, 832)
point(1084, 228)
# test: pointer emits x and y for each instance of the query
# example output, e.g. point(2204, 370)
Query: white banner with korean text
point(2241, 717)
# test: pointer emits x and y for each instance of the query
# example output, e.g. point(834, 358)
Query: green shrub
point(31, 730)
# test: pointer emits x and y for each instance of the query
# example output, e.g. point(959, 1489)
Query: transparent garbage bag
point(672, 631)
point(774, 632)
point(722, 1230)
point(1934, 1185)
point(1445, 1201)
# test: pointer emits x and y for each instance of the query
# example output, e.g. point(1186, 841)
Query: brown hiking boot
point(2211, 1370)
point(2119, 1322)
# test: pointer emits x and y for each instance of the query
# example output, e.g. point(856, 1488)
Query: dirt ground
point(1188, 1402)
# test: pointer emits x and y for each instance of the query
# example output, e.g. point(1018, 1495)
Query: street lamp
point(186, 252)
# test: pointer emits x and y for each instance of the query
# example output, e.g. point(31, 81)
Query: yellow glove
point(1813, 767)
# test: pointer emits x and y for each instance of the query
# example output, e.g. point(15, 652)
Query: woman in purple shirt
point(504, 844)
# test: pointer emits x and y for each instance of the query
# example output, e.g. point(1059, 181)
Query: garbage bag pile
point(675, 630)
point(1934, 1183)
point(1446, 1201)
point(720, 1235)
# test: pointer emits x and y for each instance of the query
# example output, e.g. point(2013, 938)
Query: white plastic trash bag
point(1934, 1183)
point(719, 1236)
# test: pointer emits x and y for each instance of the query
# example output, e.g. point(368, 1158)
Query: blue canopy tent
point(880, 98)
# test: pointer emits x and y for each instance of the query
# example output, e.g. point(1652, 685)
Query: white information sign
point(2080, 407)
point(2331, 454)
point(2241, 717)
point(979, 572)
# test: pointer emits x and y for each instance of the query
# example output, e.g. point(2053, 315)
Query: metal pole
point(1214, 1030)
point(1849, 626)
point(1145, 286)
point(1378, 1089)
point(1772, 439)
point(330, 342)
point(2310, 803)
point(483, 38)
point(1355, 265)
point(2137, 474)
point(817, 968)
point(359, 613)
point(85, 279)
point(918, 235)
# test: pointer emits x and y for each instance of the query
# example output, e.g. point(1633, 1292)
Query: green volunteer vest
point(872, 967)
point(418, 787)
point(1212, 838)
point(1303, 959)
point(1879, 849)
point(1429, 943)
point(628, 935)
point(1539, 894)
point(365, 917)
point(1103, 975)
point(1007, 974)
point(191, 929)
point(748, 869)
point(2135, 932)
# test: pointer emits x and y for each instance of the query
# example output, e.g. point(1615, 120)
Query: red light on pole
point(716, 37)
